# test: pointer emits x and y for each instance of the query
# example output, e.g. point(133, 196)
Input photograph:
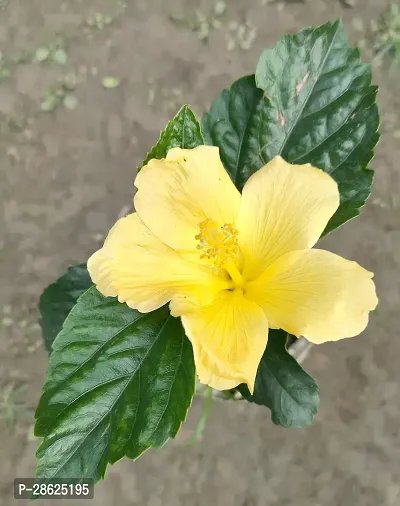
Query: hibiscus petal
point(145, 273)
point(284, 208)
point(316, 294)
point(228, 337)
point(177, 193)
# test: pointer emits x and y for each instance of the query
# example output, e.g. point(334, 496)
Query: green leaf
point(323, 110)
point(118, 383)
point(70, 102)
point(230, 124)
point(318, 107)
point(182, 131)
point(41, 54)
point(283, 386)
point(111, 82)
point(59, 298)
point(59, 56)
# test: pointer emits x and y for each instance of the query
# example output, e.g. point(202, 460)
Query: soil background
point(65, 175)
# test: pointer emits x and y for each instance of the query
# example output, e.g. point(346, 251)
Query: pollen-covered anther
point(218, 244)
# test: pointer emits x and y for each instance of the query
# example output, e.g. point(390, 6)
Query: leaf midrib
point(340, 127)
point(114, 379)
point(172, 384)
point(183, 125)
point(95, 352)
point(294, 123)
point(285, 389)
point(241, 140)
point(132, 375)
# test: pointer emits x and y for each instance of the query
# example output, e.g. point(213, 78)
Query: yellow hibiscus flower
point(233, 265)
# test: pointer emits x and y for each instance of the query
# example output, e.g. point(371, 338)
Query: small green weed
point(60, 93)
point(54, 52)
point(385, 36)
point(200, 23)
point(99, 20)
point(11, 408)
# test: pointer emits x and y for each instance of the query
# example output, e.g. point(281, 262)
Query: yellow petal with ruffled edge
point(315, 294)
point(228, 337)
point(145, 273)
point(176, 194)
point(284, 208)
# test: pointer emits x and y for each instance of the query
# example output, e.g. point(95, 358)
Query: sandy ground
point(65, 175)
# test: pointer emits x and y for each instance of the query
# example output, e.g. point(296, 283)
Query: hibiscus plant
point(213, 273)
